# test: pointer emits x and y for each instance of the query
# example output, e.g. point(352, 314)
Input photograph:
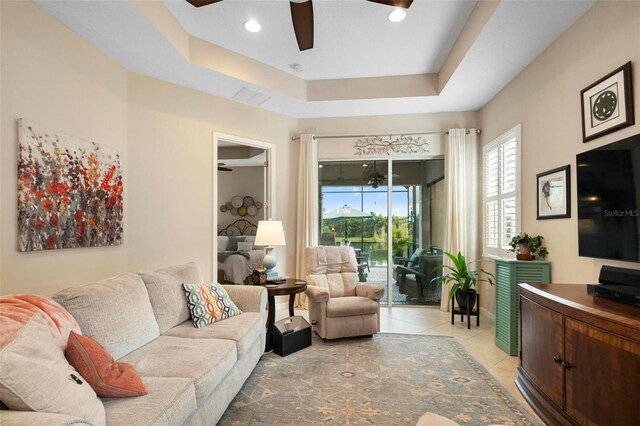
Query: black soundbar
point(619, 284)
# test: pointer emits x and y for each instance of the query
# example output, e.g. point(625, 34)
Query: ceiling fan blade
point(200, 3)
point(302, 18)
point(394, 3)
point(224, 169)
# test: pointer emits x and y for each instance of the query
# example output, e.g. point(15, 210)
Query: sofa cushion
point(35, 376)
point(243, 329)
point(350, 306)
point(107, 377)
point(116, 312)
point(170, 401)
point(166, 295)
point(209, 303)
point(17, 309)
point(205, 361)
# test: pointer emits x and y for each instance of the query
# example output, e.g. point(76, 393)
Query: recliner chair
point(339, 305)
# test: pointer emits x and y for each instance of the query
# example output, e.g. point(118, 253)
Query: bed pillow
point(107, 377)
point(233, 243)
point(35, 376)
point(223, 243)
point(245, 246)
point(209, 303)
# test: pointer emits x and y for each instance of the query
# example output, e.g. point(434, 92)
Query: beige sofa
point(191, 374)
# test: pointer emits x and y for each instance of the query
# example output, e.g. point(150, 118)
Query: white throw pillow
point(35, 376)
point(245, 246)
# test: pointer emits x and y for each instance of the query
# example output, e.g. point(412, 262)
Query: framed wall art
point(607, 104)
point(69, 191)
point(554, 193)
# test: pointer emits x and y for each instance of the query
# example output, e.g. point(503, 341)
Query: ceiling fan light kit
point(397, 15)
point(302, 18)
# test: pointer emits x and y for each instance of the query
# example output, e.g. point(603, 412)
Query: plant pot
point(522, 249)
point(461, 298)
point(523, 256)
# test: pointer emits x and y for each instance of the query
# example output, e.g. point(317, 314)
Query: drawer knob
point(557, 359)
point(565, 365)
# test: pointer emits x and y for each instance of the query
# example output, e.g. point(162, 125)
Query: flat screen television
point(609, 201)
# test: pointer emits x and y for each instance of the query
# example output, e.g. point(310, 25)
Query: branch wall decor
point(399, 145)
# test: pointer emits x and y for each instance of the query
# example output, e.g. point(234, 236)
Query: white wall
point(545, 98)
point(52, 77)
point(240, 181)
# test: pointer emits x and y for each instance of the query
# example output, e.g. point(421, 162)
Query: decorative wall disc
point(228, 205)
point(223, 208)
point(258, 205)
point(247, 201)
point(237, 201)
point(234, 211)
point(242, 211)
point(252, 210)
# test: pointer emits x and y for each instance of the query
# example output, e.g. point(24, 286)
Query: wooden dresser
point(579, 356)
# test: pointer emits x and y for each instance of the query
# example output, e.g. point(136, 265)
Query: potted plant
point(526, 246)
point(463, 280)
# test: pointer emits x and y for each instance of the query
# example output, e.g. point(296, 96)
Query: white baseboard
point(488, 314)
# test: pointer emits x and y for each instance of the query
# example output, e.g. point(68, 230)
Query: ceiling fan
point(223, 169)
point(302, 17)
point(375, 178)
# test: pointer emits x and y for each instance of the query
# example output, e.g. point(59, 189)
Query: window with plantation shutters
point(501, 168)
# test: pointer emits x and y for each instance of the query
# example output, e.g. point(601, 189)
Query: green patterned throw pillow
point(209, 303)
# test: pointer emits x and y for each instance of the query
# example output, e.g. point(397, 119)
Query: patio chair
point(414, 278)
point(339, 305)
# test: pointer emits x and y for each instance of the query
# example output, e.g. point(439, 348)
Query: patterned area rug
point(390, 379)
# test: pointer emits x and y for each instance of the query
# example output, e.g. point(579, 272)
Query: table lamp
point(270, 234)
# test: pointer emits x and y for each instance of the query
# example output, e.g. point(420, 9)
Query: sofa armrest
point(317, 294)
point(373, 292)
point(249, 298)
point(34, 418)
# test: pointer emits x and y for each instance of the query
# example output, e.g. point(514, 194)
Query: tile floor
point(479, 341)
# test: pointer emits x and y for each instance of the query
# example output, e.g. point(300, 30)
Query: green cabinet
point(510, 273)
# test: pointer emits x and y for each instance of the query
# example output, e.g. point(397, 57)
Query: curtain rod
point(295, 138)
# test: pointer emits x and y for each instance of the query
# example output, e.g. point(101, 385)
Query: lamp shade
point(270, 233)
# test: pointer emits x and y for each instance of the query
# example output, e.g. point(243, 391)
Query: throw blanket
point(223, 255)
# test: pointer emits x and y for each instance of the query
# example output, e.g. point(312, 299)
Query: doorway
point(243, 188)
point(391, 211)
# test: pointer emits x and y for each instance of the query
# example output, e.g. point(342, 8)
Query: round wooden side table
point(290, 287)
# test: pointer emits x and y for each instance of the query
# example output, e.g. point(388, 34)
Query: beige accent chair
point(339, 305)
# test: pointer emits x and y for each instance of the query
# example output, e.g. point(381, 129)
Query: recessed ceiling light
point(397, 15)
point(365, 165)
point(252, 26)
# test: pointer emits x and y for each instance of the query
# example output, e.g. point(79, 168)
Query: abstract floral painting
point(69, 191)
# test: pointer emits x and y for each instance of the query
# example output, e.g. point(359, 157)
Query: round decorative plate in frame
point(258, 204)
point(234, 211)
point(236, 201)
point(252, 210)
point(247, 201)
point(223, 208)
point(242, 211)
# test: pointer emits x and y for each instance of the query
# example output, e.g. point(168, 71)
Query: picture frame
point(554, 193)
point(607, 104)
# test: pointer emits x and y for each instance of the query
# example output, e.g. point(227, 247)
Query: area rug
point(389, 379)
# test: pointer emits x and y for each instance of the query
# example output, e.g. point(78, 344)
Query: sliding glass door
point(390, 212)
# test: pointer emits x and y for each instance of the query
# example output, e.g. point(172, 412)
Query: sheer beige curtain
point(461, 198)
point(307, 211)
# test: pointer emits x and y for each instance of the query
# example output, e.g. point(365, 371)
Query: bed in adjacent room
point(237, 256)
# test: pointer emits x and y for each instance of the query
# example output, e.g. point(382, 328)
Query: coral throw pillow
point(17, 309)
point(209, 303)
point(107, 377)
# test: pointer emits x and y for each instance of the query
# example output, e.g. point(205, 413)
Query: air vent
point(251, 97)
